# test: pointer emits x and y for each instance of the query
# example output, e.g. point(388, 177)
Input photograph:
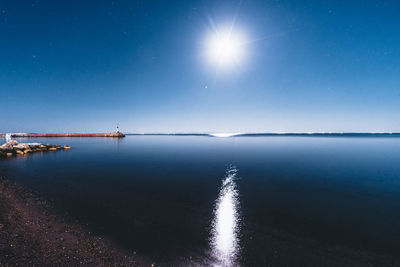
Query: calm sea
point(251, 201)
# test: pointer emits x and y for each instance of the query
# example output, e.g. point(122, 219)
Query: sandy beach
point(31, 234)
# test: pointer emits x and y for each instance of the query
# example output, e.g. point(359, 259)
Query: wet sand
point(31, 234)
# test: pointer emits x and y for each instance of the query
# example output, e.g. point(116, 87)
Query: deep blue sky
point(68, 66)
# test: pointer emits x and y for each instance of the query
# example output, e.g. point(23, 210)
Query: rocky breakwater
point(25, 135)
point(13, 148)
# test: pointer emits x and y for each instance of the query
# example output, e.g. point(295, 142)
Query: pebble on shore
point(12, 148)
point(32, 233)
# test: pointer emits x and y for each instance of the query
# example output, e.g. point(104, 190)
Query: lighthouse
point(117, 128)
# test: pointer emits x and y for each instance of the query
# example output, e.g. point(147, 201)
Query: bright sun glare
point(225, 48)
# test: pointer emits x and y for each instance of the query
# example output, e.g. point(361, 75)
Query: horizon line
point(225, 134)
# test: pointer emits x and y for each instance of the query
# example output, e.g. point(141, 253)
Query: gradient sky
point(83, 66)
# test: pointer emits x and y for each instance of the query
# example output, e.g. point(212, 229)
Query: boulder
point(21, 146)
point(9, 145)
point(34, 145)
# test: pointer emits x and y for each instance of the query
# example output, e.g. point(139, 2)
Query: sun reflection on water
point(225, 225)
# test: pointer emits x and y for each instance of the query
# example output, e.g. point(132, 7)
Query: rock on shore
point(14, 148)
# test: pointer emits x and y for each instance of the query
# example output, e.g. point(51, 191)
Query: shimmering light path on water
point(225, 240)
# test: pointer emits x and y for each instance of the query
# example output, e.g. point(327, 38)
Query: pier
point(33, 135)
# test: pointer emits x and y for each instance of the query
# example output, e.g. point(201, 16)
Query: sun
point(225, 49)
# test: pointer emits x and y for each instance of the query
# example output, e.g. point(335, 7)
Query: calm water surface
point(219, 200)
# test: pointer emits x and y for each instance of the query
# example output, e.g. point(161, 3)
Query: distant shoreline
point(348, 134)
point(120, 135)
